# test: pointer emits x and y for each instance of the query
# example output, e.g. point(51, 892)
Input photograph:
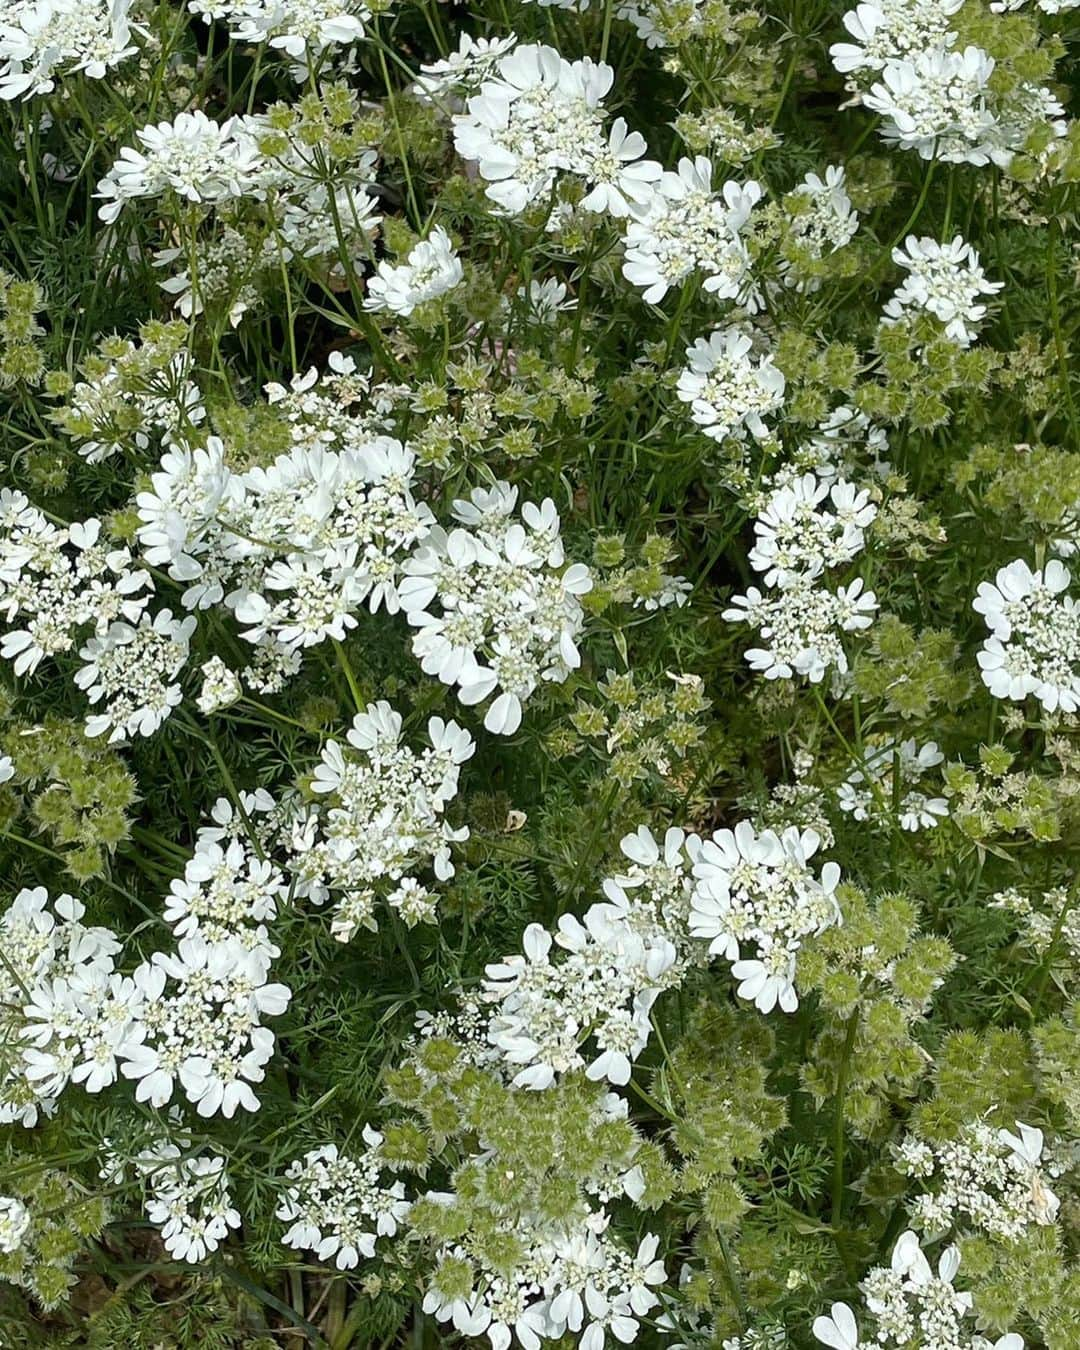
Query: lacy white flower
point(130, 670)
point(14, 1221)
point(296, 27)
point(936, 104)
point(730, 392)
point(495, 607)
point(54, 964)
point(946, 281)
point(55, 582)
point(820, 221)
point(1051, 919)
point(868, 792)
point(808, 526)
point(801, 625)
point(199, 159)
point(540, 115)
point(989, 1178)
point(431, 269)
point(41, 39)
point(887, 30)
point(200, 1026)
point(1034, 642)
point(189, 1197)
point(221, 687)
point(571, 1276)
point(682, 226)
point(759, 888)
point(338, 1205)
point(462, 73)
point(382, 820)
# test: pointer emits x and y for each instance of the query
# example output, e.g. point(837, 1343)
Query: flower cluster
point(730, 390)
point(43, 39)
point(990, 1178)
point(431, 269)
point(494, 605)
point(804, 526)
point(681, 226)
point(905, 1299)
point(1034, 642)
point(759, 888)
point(538, 115)
point(188, 1197)
point(338, 1206)
point(295, 548)
point(568, 1277)
point(299, 28)
point(52, 959)
point(891, 773)
point(381, 822)
point(944, 280)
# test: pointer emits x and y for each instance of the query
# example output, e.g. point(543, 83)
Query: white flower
point(1034, 642)
point(729, 391)
point(538, 116)
point(507, 613)
point(839, 1330)
point(680, 225)
point(189, 1197)
point(759, 888)
point(193, 156)
point(886, 30)
point(221, 687)
point(945, 280)
point(40, 39)
point(296, 27)
point(801, 625)
point(338, 1206)
point(936, 104)
point(130, 669)
point(807, 526)
point(14, 1222)
point(431, 269)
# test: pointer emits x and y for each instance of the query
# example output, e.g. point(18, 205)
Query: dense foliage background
point(779, 1150)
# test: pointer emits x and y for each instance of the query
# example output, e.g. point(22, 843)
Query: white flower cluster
point(447, 82)
point(681, 226)
point(538, 115)
point(730, 390)
point(55, 582)
point(821, 220)
point(944, 280)
point(990, 1178)
point(1034, 642)
point(382, 821)
point(197, 1023)
point(759, 888)
point(298, 28)
point(933, 98)
point(495, 607)
point(846, 442)
point(570, 1277)
point(188, 1196)
point(295, 548)
point(805, 526)
point(230, 888)
point(338, 1205)
point(1051, 919)
point(339, 407)
point(310, 210)
point(50, 955)
point(869, 791)
point(910, 1304)
point(809, 525)
point(43, 39)
point(431, 269)
point(14, 1222)
point(590, 1009)
point(146, 389)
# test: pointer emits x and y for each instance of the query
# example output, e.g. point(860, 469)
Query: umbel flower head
point(1034, 642)
point(495, 606)
point(759, 888)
